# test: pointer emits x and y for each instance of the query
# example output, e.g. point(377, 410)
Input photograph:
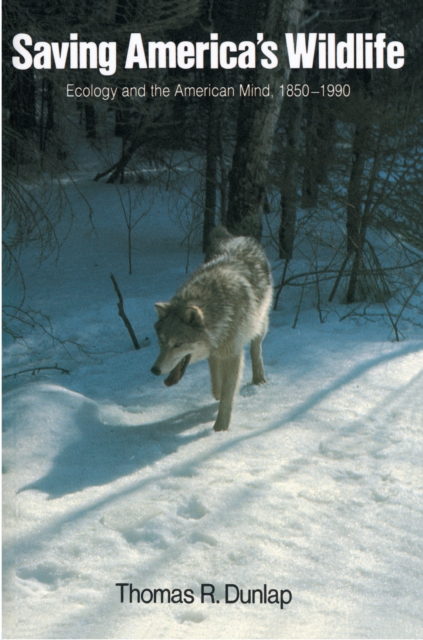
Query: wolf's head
point(182, 339)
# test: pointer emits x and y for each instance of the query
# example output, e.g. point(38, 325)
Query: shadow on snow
point(104, 453)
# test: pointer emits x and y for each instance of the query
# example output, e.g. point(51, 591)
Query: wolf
point(222, 307)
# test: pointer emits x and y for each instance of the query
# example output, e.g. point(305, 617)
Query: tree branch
point(123, 314)
point(35, 370)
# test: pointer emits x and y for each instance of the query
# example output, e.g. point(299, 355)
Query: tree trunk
point(354, 198)
point(361, 221)
point(309, 189)
point(22, 109)
point(90, 120)
point(211, 172)
point(325, 130)
point(355, 236)
point(257, 120)
point(289, 185)
point(22, 102)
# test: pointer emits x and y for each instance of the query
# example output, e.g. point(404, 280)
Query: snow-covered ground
point(111, 477)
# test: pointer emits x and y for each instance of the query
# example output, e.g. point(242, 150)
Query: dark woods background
point(320, 178)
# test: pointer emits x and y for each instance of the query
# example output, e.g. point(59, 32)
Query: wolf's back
point(233, 284)
point(246, 257)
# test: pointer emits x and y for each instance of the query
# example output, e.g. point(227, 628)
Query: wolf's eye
point(177, 344)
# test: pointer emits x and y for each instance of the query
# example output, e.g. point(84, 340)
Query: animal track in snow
point(192, 510)
point(46, 574)
point(131, 520)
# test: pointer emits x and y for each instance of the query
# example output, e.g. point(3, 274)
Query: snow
point(111, 477)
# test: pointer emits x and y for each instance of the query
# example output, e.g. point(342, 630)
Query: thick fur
point(222, 307)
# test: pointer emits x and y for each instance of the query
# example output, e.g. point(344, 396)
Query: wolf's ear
point(194, 316)
point(162, 309)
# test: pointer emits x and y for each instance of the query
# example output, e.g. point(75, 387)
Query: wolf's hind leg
point(216, 376)
point(231, 373)
point(257, 360)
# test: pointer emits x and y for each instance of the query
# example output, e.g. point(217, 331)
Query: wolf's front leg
point(215, 365)
point(231, 369)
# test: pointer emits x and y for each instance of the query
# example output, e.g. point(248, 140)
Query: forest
point(329, 169)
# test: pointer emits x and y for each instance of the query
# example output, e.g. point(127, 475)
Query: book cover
point(212, 312)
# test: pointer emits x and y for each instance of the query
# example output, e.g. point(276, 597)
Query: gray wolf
point(221, 308)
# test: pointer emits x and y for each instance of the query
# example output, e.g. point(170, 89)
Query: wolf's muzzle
point(177, 372)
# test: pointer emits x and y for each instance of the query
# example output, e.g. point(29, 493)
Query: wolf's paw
point(259, 380)
point(219, 425)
